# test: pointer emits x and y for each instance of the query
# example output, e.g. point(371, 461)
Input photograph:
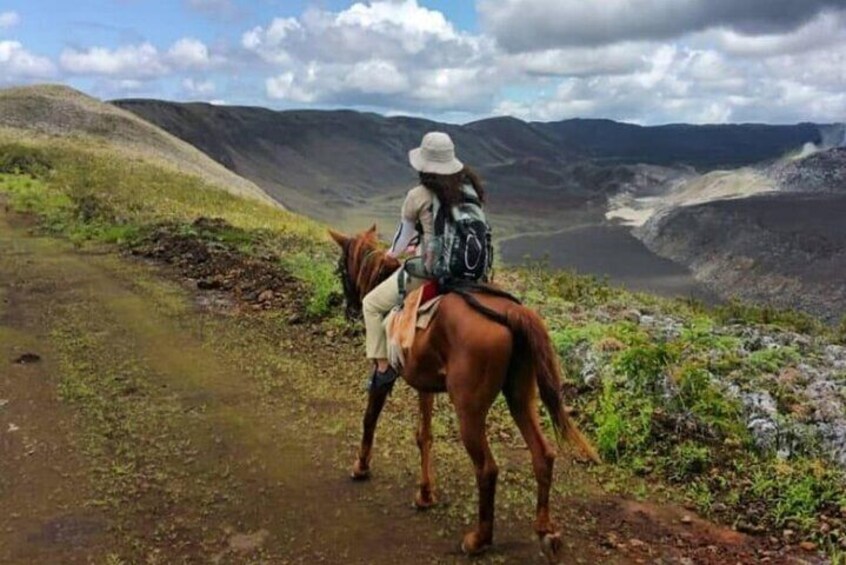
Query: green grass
point(322, 280)
point(88, 195)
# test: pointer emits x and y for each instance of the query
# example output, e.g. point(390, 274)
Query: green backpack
point(461, 247)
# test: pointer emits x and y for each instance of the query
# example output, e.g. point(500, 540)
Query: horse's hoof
point(423, 501)
point(360, 472)
point(551, 546)
point(473, 544)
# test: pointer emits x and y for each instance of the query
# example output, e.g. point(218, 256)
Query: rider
point(442, 175)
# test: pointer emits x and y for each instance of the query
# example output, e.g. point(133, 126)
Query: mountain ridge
point(326, 162)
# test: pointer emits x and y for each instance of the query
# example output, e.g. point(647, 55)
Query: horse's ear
point(339, 238)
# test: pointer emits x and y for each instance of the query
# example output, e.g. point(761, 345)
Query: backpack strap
point(440, 214)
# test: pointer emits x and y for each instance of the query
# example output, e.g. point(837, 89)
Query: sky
point(642, 61)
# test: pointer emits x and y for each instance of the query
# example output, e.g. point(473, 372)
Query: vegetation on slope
point(660, 385)
point(57, 110)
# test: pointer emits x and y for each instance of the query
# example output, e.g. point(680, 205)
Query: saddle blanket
point(402, 322)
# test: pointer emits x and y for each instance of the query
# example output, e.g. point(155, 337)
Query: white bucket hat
point(436, 154)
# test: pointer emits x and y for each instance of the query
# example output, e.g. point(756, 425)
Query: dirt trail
point(156, 428)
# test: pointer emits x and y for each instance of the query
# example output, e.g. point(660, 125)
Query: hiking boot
point(381, 381)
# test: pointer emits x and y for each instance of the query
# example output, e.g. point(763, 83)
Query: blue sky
point(645, 61)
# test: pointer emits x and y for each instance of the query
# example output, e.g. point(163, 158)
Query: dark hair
point(448, 187)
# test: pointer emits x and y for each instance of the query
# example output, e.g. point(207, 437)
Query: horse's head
point(362, 266)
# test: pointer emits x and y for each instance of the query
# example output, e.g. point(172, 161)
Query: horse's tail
point(533, 345)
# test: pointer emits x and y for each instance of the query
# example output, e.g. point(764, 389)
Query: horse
point(475, 347)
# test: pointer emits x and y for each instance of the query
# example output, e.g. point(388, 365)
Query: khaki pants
point(377, 304)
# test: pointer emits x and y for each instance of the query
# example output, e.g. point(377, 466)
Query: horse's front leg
point(425, 497)
point(375, 402)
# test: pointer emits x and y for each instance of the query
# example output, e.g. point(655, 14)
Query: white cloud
point(9, 19)
point(190, 53)
point(378, 77)
point(130, 61)
point(202, 88)
point(16, 63)
point(382, 53)
point(284, 87)
point(140, 62)
point(684, 84)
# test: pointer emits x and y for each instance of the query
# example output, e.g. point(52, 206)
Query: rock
point(27, 359)
point(747, 528)
point(248, 543)
point(611, 540)
point(295, 319)
point(808, 546)
point(632, 315)
point(266, 296)
point(686, 519)
point(209, 284)
point(634, 542)
point(789, 376)
point(718, 507)
point(610, 345)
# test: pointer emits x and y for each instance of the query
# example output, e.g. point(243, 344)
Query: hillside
point(783, 247)
point(57, 110)
point(324, 162)
point(180, 385)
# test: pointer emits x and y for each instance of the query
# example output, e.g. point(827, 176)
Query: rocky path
point(141, 421)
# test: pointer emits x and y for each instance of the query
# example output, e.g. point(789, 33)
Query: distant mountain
point(58, 110)
point(323, 163)
point(318, 162)
point(704, 147)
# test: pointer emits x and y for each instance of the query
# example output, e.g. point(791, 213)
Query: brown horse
point(472, 357)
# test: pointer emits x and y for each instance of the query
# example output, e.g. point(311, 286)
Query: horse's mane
point(364, 265)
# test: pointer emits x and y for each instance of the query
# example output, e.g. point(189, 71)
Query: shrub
point(19, 159)
point(644, 367)
point(623, 422)
point(736, 311)
point(320, 278)
point(688, 459)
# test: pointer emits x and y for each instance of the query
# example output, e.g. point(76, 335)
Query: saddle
point(402, 323)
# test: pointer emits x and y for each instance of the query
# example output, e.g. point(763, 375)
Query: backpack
point(461, 244)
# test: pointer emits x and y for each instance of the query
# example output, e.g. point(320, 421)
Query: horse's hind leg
point(520, 395)
point(425, 497)
point(375, 402)
point(472, 422)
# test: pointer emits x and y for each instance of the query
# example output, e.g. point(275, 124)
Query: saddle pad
point(402, 324)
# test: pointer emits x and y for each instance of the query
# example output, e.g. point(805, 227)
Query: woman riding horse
point(477, 346)
point(441, 175)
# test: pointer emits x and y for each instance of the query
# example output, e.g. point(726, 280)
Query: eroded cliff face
point(786, 248)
